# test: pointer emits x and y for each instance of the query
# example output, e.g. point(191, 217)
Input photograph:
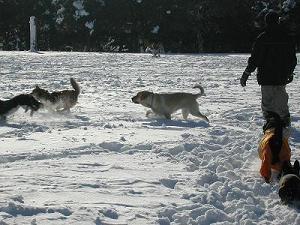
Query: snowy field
point(105, 163)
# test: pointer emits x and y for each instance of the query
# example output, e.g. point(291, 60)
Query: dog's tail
point(75, 86)
point(201, 90)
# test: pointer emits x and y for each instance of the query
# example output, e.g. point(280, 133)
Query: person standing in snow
point(274, 56)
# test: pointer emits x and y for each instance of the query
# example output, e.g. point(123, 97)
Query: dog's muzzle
point(134, 100)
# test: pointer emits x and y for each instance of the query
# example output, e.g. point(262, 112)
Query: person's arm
point(254, 60)
point(257, 55)
point(293, 59)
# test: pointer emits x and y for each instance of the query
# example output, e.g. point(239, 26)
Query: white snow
point(60, 15)
point(90, 26)
point(288, 5)
point(155, 29)
point(80, 11)
point(106, 163)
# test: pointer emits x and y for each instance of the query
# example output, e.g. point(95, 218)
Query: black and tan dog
point(274, 147)
point(58, 100)
point(166, 104)
point(26, 101)
point(289, 184)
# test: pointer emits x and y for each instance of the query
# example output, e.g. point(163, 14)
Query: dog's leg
point(168, 116)
point(149, 112)
point(26, 109)
point(195, 112)
point(185, 113)
point(65, 110)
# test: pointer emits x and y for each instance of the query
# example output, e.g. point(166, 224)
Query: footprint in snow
point(169, 183)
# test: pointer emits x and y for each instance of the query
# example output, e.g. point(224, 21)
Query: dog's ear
point(144, 95)
point(37, 87)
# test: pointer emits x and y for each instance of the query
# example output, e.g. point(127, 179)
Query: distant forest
point(180, 26)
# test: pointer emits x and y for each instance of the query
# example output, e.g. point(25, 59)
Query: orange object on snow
point(265, 154)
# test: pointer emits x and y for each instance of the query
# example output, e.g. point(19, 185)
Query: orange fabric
point(265, 155)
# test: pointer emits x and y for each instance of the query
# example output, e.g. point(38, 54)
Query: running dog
point(273, 148)
point(26, 101)
point(166, 104)
point(59, 100)
point(289, 184)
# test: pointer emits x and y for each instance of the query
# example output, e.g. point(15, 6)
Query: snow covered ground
point(106, 163)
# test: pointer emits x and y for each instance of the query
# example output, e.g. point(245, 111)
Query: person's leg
point(267, 100)
point(281, 99)
point(275, 99)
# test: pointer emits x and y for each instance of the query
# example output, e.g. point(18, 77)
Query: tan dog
point(59, 100)
point(167, 104)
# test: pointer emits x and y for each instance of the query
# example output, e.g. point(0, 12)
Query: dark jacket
point(274, 56)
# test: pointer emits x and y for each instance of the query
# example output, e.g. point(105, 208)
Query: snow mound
point(105, 162)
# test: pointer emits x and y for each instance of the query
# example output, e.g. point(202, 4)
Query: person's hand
point(290, 78)
point(244, 78)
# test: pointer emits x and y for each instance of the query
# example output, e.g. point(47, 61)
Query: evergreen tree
point(132, 25)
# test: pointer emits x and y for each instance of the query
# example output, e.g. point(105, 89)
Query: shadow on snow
point(167, 124)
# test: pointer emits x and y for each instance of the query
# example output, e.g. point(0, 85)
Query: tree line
point(180, 26)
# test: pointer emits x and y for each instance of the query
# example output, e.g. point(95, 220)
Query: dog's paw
point(148, 113)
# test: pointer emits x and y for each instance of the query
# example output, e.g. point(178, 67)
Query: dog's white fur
point(166, 104)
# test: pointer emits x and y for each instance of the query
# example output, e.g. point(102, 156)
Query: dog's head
point(39, 93)
point(273, 121)
point(289, 184)
point(34, 104)
point(28, 102)
point(143, 98)
point(275, 125)
point(288, 168)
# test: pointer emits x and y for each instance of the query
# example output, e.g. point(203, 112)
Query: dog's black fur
point(274, 121)
point(289, 184)
point(27, 101)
